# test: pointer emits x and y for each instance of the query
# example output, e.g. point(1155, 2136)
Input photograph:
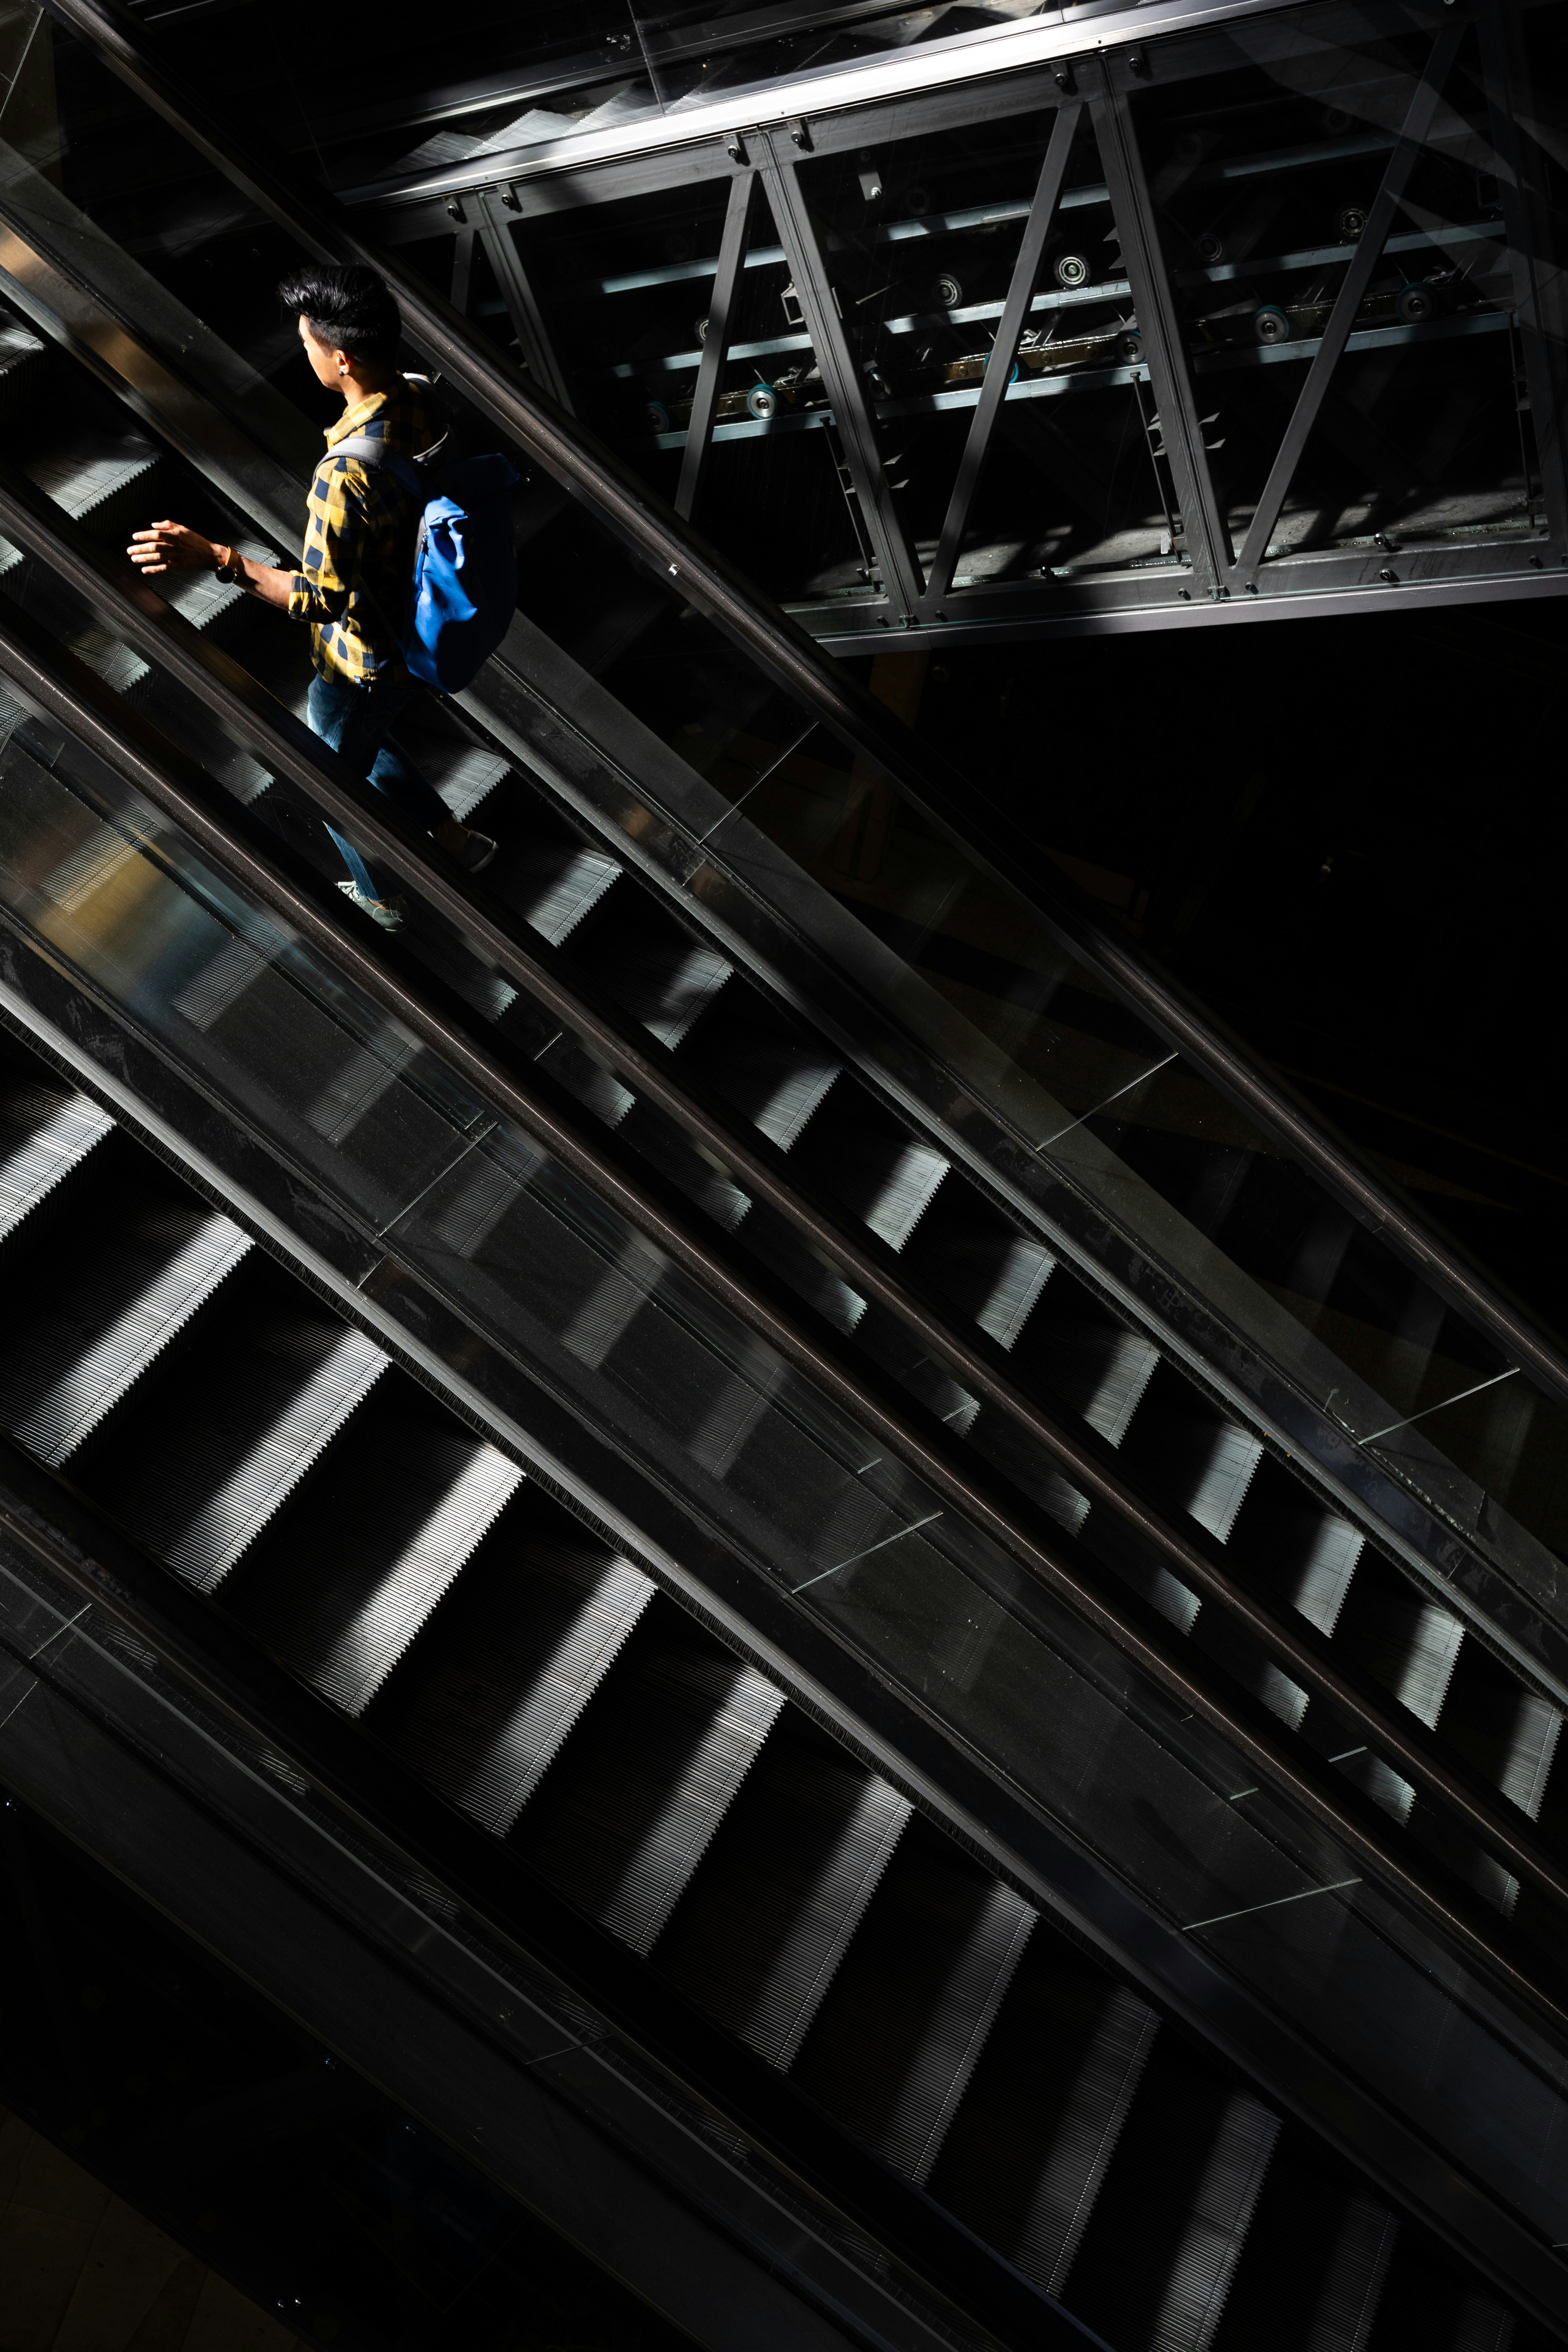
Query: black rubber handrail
point(947, 799)
point(61, 683)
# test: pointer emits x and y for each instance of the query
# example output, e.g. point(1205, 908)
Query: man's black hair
point(349, 309)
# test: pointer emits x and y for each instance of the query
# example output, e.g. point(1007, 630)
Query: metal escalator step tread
point(898, 2037)
point(285, 1397)
point(120, 667)
point(736, 1410)
point(1347, 2303)
point(596, 1088)
point(182, 1258)
point(43, 1134)
point(1323, 1577)
point(1312, 2272)
point(205, 600)
point(1156, 2260)
point(1217, 2222)
point(1028, 2151)
point(623, 1826)
point(906, 1194)
point(500, 1674)
point(1409, 1642)
point(668, 987)
point(342, 1583)
point(1531, 1752)
point(1102, 1370)
point(758, 1936)
point(24, 368)
point(553, 889)
point(1482, 2324)
point(787, 1103)
point(1217, 1487)
point(465, 775)
point(87, 473)
point(1026, 1267)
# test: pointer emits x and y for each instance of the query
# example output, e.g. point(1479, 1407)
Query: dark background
point(1348, 837)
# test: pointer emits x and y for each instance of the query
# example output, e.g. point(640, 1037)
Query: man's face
point(327, 364)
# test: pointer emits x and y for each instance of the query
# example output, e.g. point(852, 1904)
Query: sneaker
point(476, 853)
point(388, 912)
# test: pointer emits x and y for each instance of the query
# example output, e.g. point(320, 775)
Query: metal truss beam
point(715, 345)
point(977, 627)
point(1347, 302)
point(1165, 349)
point(521, 303)
point(902, 582)
point(1004, 352)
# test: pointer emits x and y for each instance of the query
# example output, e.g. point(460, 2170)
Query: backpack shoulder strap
point(373, 453)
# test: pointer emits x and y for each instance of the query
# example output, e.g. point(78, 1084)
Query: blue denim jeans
point(357, 720)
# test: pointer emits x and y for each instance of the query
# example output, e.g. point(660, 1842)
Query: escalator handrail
point(679, 554)
point(131, 748)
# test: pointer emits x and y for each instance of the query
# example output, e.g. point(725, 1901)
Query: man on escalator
point(357, 559)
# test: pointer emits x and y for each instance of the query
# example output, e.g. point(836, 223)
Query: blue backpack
point(464, 591)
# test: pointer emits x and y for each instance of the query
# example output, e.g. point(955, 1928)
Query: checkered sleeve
point(334, 556)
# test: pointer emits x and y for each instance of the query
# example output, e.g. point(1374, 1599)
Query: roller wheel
point(762, 401)
point(1130, 346)
point(1350, 221)
point(949, 290)
point(656, 416)
point(1072, 270)
point(1271, 324)
point(1414, 304)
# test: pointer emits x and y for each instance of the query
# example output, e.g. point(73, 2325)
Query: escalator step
point(108, 1321)
point(1312, 2274)
point(1029, 2149)
point(1155, 2263)
point(24, 369)
point(498, 1677)
point(197, 1463)
point(771, 1910)
point(897, 2036)
point(43, 1134)
point(103, 480)
point(554, 888)
point(623, 1818)
point(378, 1531)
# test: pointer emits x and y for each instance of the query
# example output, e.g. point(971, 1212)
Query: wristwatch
point(229, 565)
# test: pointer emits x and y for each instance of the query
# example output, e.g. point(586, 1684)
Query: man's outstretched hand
point(170, 547)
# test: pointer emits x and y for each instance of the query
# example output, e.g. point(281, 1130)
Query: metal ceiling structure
point(1105, 321)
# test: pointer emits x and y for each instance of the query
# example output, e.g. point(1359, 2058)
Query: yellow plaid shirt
point(353, 580)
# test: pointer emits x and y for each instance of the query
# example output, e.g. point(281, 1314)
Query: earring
point(343, 371)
